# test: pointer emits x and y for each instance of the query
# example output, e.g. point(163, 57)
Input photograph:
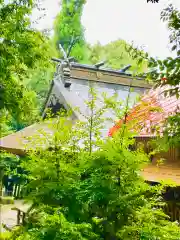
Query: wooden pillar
point(23, 218)
point(15, 190)
point(18, 217)
point(18, 190)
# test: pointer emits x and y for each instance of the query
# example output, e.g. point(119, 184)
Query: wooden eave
point(169, 173)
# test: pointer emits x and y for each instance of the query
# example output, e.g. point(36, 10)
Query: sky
point(131, 20)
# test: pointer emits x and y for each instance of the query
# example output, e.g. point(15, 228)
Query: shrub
point(6, 200)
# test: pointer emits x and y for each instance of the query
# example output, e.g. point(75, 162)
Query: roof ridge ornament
point(125, 68)
point(64, 67)
point(99, 64)
point(153, 1)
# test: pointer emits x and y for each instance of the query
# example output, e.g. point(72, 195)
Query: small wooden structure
point(167, 171)
point(172, 209)
point(21, 213)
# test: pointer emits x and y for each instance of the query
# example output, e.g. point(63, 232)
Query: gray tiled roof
point(78, 93)
point(72, 82)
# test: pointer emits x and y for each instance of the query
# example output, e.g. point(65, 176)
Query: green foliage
point(6, 200)
point(10, 165)
point(53, 225)
point(21, 48)
point(69, 30)
point(156, 228)
point(5, 236)
point(5, 123)
point(84, 190)
point(172, 130)
point(116, 55)
point(166, 72)
point(8, 161)
point(39, 80)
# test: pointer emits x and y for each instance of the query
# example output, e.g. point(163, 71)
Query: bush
point(6, 200)
point(5, 236)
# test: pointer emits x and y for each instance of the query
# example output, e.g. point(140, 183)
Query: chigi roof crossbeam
point(94, 67)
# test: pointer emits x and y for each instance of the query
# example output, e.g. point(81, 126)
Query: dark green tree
point(68, 30)
point(21, 47)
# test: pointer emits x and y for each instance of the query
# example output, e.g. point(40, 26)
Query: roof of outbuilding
point(166, 172)
point(150, 112)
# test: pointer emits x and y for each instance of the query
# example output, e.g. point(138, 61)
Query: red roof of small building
point(150, 112)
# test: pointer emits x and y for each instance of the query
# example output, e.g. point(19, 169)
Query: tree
point(169, 73)
point(116, 55)
point(38, 80)
point(80, 192)
point(69, 30)
point(21, 47)
point(166, 73)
